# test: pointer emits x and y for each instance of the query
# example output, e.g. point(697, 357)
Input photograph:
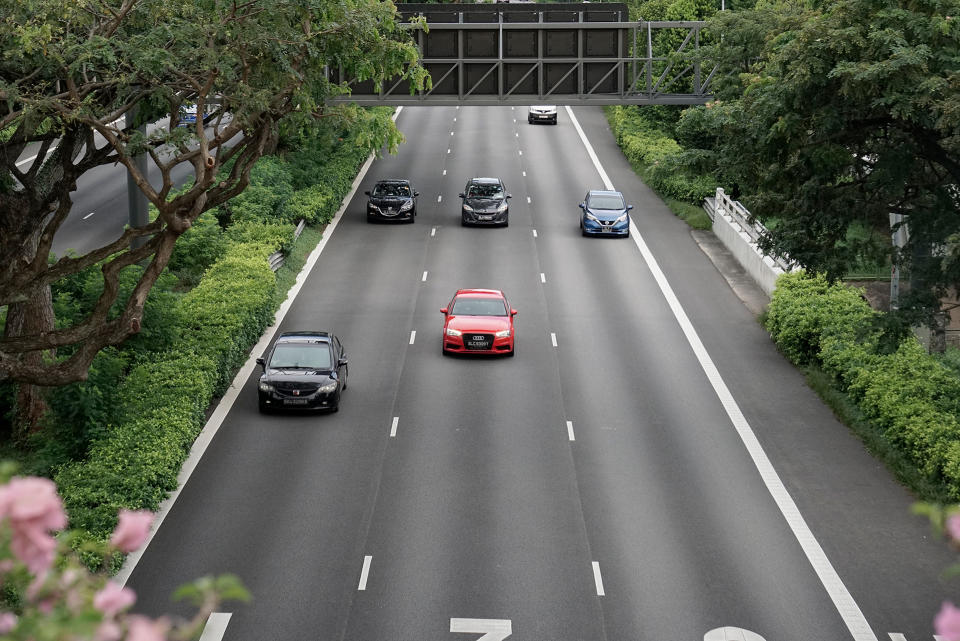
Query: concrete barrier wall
point(763, 269)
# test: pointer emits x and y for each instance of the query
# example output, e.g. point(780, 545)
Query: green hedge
point(162, 401)
point(909, 395)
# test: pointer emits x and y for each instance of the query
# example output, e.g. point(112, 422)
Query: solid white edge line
point(413, 336)
point(393, 426)
point(216, 626)
point(570, 431)
point(842, 599)
point(553, 339)
point(213, 424)
point(365, 572)
point(598, 579)
point(896, 636)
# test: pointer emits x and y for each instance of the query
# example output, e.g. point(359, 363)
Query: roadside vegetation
point(118, 440)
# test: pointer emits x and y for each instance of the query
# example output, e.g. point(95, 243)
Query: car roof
point(481, 292)
point(289, 337)
point(605, 192)
point(484, 180)
point(388, 181)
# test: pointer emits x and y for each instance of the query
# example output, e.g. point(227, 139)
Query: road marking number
point(492, 629)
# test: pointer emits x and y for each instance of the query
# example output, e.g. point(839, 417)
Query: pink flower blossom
point(7, 621)
point(108, 631)
point(953, 526)
point(34, 509)
point(113, 598)
point(141, 628)
point(132, 529)
point(947, 622)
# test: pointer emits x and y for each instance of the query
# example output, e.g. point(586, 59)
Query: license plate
point(295, 401)
point(478, 344)
point(485, 217)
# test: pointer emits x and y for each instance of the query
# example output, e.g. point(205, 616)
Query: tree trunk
point(34, 316)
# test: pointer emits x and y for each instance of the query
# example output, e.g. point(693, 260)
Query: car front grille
point(296, 389)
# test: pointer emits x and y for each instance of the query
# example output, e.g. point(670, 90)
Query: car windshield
point(606, 201)
point(479, 307)
point(391, 189)
point(301, 356)
point(485, 190)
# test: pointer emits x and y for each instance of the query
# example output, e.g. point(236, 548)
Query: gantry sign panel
point(571, 53)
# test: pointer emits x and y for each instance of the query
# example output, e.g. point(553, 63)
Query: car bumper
point(455, 345)
point(398, 215)
point(551, 118)
point(598, 229)
point(316, 401)
point(474, 218)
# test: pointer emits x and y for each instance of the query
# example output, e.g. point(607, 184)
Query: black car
point(392, 199)
point(303, 371)
point(485, 202)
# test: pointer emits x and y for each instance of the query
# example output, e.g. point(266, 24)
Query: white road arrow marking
point(492, 629)
point(216, 626)
point(731, 634)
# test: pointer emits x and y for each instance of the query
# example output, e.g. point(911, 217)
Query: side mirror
point(443, 310)
point(509, 195)
point(262, 363)
point(416, 193)
point(629, 207)
point(582, 205)
point(367, 192)
point(513, 312)
point(460, 195)
point(342, 362)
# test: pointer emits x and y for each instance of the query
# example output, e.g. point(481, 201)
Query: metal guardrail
point(276, 258)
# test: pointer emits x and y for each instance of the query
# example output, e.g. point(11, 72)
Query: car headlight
point(329, 387)
point(266, 387)
point(621, 219)
point(406, 206)
point(454, 332)
point(592, 217)
point(467, 207)
point(503, 333)
point(502, 207)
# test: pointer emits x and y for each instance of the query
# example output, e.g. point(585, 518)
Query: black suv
point(485, 202)
point(392, 199)
point(303, 370)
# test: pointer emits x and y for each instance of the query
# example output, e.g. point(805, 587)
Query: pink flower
point(132, 529)
point(7, 621)
point(34, 509)
point(947, 622)
point(953, 526)
point(108, 631)
point(113, 598)
point(141, 628)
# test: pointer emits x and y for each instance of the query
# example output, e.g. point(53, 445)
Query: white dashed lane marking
point(88, 215)
point(439, 198)
point(216, 626)
point(534, 233)
point(444, 172)
point(528, 200)
point(543, 277)
point(597, 578)
point(413, 336)
point(553, 339)
point(424, 279)
point(393, 426)
point(570, 430)
point(365, 572)
point(433, 232)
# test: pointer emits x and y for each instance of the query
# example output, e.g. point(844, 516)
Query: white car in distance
point(542, 113)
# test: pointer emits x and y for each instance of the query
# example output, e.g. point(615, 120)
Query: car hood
point(607, 214)
point(484, 204)
point(296, 374)
point(389, 201)
point(479, 323)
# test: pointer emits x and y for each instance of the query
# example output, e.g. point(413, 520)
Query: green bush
point(804, 307)
point(197, 248)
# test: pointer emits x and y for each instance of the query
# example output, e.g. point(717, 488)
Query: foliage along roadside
point(161, 403)
point(910, 396)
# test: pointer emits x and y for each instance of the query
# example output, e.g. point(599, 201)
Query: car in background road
point(542, 113)
point(605, 214)
point(485, 203)
point(392, 199)
point(478, 321)
point(303, 371)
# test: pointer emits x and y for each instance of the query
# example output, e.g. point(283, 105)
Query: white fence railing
point(276, 258)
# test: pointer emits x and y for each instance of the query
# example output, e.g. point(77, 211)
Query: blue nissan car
point(605, 214)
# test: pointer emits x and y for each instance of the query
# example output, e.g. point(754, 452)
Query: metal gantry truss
point(573, 54)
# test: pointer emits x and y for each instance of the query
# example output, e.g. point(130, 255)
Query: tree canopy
point(77, 77)
point(831, 116)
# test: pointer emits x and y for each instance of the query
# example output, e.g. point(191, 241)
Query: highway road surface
point(647, 468)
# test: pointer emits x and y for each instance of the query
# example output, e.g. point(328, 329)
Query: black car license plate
point(295, 401)
point(478, 342)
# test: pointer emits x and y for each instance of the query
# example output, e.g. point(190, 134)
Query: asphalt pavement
point(595, 487)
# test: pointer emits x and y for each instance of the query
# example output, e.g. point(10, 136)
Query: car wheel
point(463, 222)
point(529, 120)
point(264, 409)
point(506, 221)
point(583, 231)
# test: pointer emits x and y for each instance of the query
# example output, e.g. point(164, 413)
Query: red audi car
point(478, 321)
